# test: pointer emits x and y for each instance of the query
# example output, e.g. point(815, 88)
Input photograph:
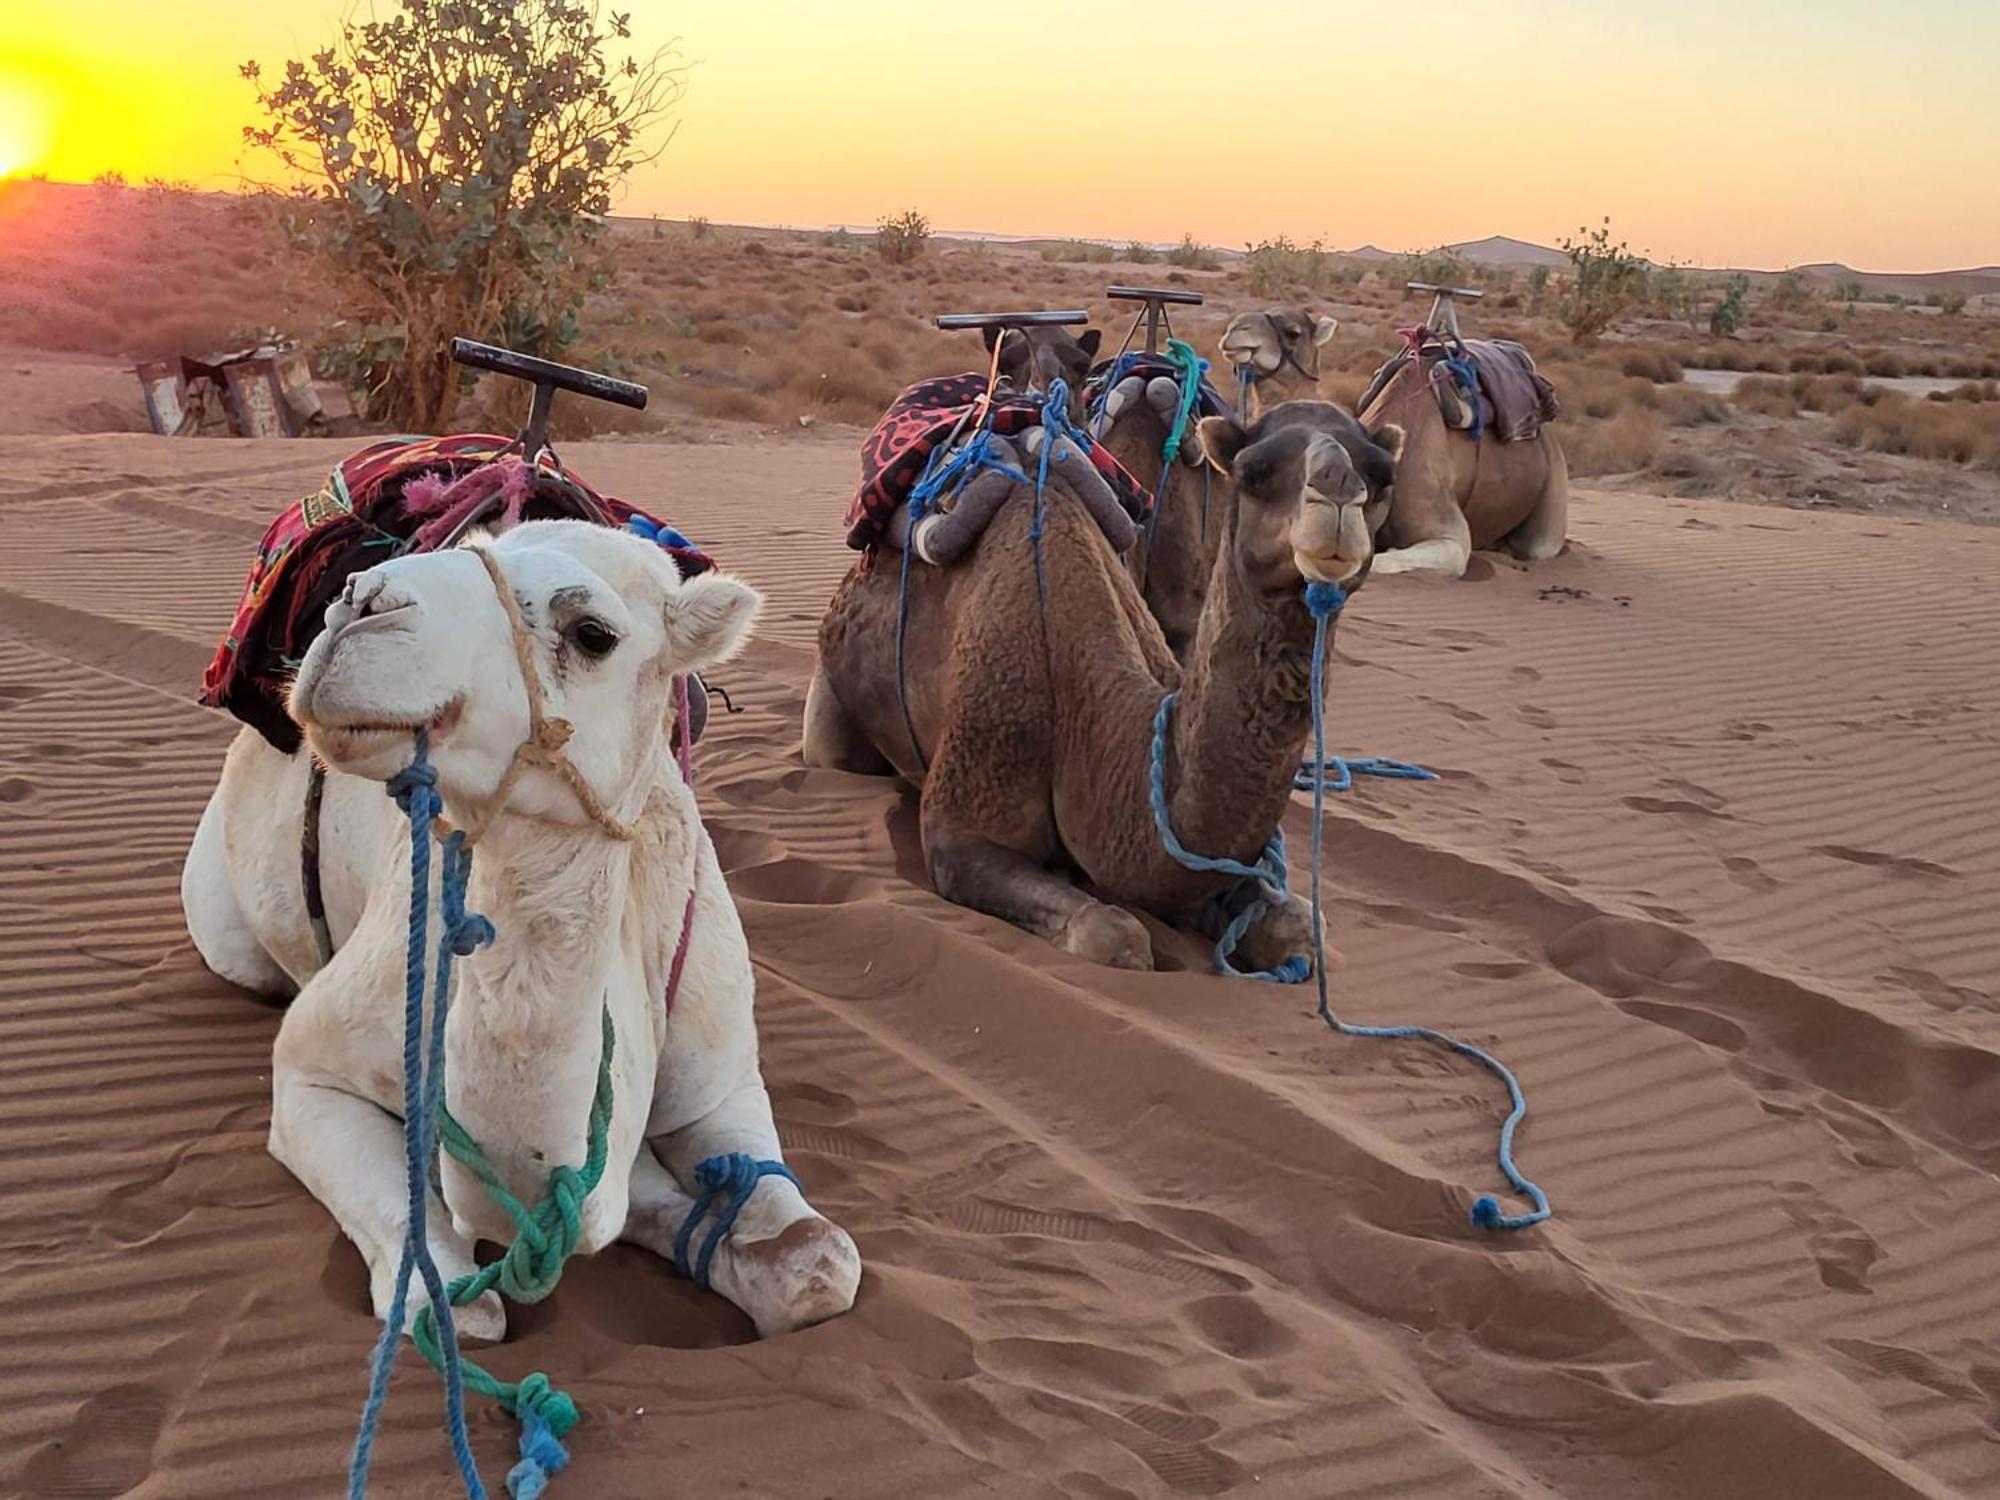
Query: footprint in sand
point(13, 694)
point(106, 1451)
point(1523, 676)
point(1909, 1364)
point(1841, 1248)
point(1500, 970)
point(1902, 865)
point(1463, 715)
point(16, 789)
point(1538, 718)
point(1673, 806)
point(1239, 1327)
point(1569, 775)
point(1747, 873)
point(1933, 989)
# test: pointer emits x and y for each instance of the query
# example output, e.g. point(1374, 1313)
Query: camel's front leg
point(349, 1154)
point(975, 872)
point(782, 1262)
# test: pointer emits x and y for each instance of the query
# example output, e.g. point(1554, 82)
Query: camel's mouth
point(350, 740)
point(1331, 567)
point(1247, 349)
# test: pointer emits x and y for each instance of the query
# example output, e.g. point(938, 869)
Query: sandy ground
point(1713, 865)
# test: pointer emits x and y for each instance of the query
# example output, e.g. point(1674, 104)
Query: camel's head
point(1277, 341)
point(1302, 481)
point(426, 642)
point(1036, 357)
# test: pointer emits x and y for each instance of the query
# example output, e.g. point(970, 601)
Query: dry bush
point(1765, 396)
point(1954, 432)
point(1190, 254)
point(1650, 362)
point(1689, 406)
point(1972, 390)
point(1625, 444)
point(900, 238)
point(1881, 362)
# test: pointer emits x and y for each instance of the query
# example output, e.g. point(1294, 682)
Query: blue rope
point(1335, 773)
point(1267, 879)
point(415, 791)
point(1325, 600)
point(1245, 377)
point(732, 1178)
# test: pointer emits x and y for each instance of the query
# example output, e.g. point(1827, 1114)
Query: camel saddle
point(1495, 379)
point(933, 412)
point(398, 496)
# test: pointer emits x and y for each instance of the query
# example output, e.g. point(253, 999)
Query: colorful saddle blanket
point(1497, 376)
point(398, 496)
point(927, 414)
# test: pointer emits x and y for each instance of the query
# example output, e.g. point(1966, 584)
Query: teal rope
point(531, 1266)
point(1325, 600)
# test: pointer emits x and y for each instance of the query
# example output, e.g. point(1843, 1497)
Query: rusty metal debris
point(265, 390)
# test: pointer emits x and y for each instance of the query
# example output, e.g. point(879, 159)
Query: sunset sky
point(1716, 131)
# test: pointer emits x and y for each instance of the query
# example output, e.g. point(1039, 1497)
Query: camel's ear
point(1325, 329)
point(1389, 438)
point(1222, 438)
point(1088, 343)
point(708, 620)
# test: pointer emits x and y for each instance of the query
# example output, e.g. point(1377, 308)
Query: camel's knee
point(1109, 935)
point(833, 741)
point(215, 918)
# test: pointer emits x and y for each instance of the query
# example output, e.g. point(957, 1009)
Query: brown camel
point(1176, 552)
point(1033, 722)
point(1452, 495)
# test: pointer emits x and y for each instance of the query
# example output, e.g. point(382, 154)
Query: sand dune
point(1713, 865)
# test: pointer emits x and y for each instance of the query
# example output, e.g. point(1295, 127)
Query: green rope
point(545, 1236)
point(1182, 353)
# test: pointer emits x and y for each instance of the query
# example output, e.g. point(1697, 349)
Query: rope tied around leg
point(730, 1178)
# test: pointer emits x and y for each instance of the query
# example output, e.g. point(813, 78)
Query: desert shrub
point(1143, 255)
point(453, 165)
point(1791, 292)
point(1954, 432)
point(1973, 390)
point(1275, 266)
point(1838, 362)
point(1675, 294)
point(1650, 363)
point(1080, 251)
point(1192, 255)
point(1439, 267)
point(1625, 444)
point(1829, 393)
point(1882, 362)
point(1606, 278)
point(1764, 396)
point(698, 226)
point(1690, 406)
point(901, 238)
point(1951, 303)
point(109, 181)
point(1538, 286)
point(1728, 314)
point(1848, 291)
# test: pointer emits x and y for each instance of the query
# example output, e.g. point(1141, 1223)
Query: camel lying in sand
point(589, 912)
point(1452, 495)
point(1034, 726)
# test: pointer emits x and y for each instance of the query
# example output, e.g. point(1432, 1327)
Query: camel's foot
point(1107, 935)
point(1445, 555)
point(806, 1273)
point(832, 740)
point(483, 1320)
point(1282, 933)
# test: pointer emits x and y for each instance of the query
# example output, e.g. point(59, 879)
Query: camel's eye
point(593, 638)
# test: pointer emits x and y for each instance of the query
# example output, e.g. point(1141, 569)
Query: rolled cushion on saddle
point(1480, 384)
point(1116, 384)
point(398, 496)
point(936, 424)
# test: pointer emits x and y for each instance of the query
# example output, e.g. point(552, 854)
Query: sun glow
point(24, 124)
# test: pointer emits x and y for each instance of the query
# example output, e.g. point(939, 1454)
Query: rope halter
point(547, 733)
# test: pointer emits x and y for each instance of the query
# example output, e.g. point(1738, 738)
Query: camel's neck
point(1243, 715)
point(1284, 384)
point(525, 1036)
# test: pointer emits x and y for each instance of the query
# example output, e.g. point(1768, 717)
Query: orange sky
point(1712, 130)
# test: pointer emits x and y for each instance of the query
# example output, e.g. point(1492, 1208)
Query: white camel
point(589, 844)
